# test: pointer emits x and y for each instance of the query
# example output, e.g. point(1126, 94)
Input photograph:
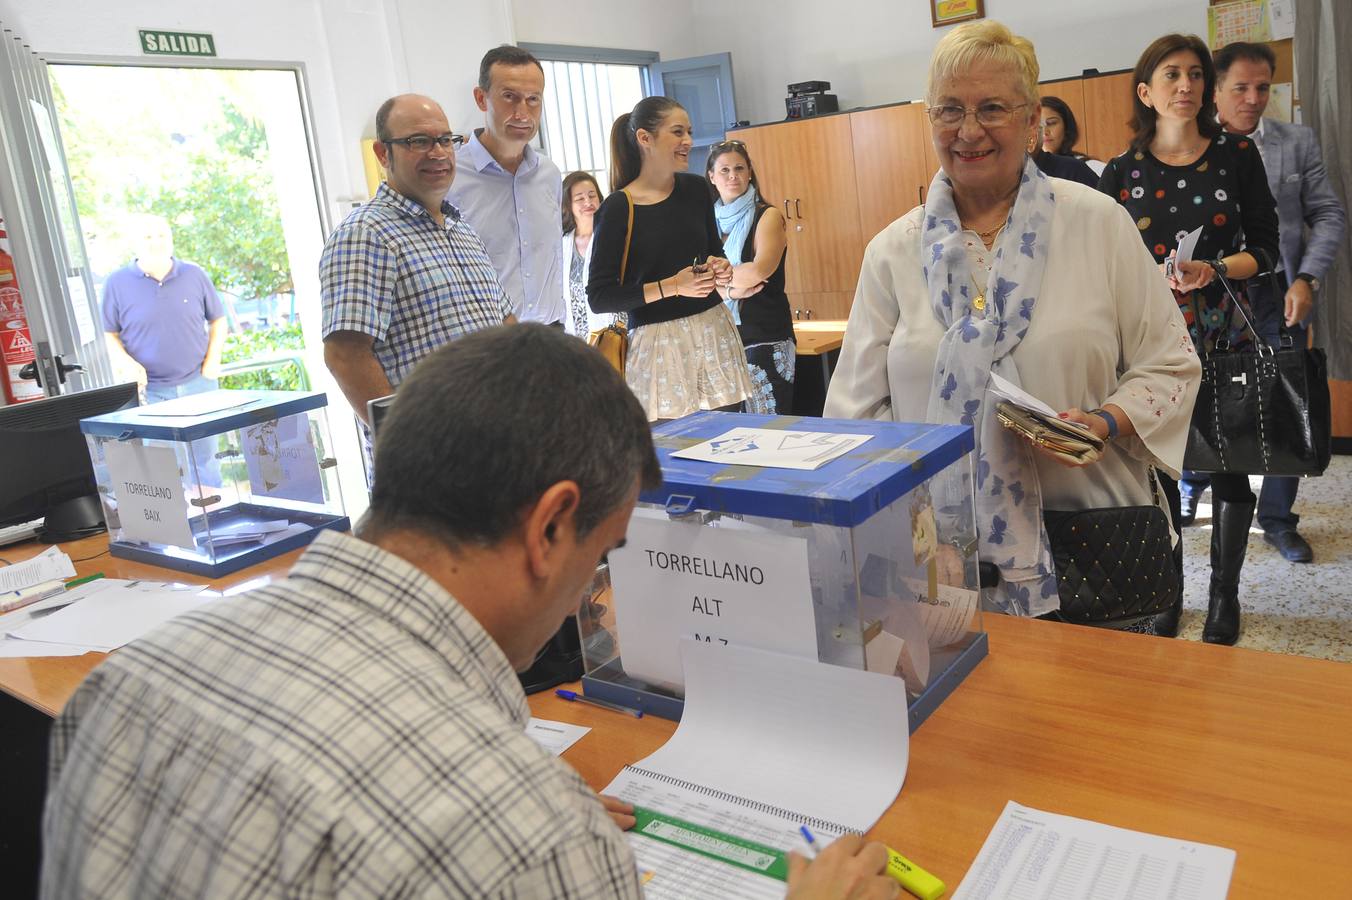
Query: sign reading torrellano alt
point(177, 43)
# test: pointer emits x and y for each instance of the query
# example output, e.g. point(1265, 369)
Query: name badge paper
point(773, 448)
point(675, 580)
point(149, 493)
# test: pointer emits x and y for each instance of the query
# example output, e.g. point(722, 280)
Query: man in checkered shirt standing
point(357, 729)
point(404, 273)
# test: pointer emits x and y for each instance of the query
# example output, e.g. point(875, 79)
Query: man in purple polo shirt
point(163, 321)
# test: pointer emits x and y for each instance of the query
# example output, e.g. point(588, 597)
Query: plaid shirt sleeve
point(357, 275)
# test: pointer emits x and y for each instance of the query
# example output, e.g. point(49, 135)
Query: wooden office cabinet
point(1107, 109)
point(824, 305)
point(1071, 90)
point(891, 169)
point(842, 178)
point(807, 168)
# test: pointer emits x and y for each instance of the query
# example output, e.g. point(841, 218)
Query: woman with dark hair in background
point(1182, 173)
point(1060, 132)
point(664, 267)
point(755, 242)
point(581, 198)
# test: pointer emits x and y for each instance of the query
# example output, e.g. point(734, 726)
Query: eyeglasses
point(988, 115)
point(421, 143)
point(728, 145)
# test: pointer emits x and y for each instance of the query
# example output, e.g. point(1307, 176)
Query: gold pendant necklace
point(979, 304)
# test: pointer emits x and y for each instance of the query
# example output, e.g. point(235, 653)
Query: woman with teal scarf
point(754, 241)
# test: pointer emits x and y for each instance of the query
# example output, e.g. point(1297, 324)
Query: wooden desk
point(1242, 749)
point(820, 339)
point(46, 683)
point(1226, 746)
point(817, 337)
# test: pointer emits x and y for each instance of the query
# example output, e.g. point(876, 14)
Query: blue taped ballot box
point(851, 542)
point(212, 483)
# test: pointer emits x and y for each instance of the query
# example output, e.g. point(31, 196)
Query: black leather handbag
point(1263, 411)
point(1114, 566)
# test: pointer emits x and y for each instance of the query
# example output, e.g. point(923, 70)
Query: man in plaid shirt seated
point(357, 729)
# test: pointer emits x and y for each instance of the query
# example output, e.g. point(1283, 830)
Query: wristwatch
point(1219, 265)
point(1108, 418)
point(1306, 276)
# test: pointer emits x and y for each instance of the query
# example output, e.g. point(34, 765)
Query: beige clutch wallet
point(1073, 443)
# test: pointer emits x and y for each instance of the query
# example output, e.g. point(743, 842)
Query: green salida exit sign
point(177, 43)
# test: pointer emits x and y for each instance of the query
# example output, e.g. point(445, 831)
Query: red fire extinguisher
point(16, 343)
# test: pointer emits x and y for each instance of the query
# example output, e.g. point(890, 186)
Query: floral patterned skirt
point(685, 365)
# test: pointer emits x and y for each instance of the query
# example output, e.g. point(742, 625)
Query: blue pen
point(811, 842)
point(575, 697)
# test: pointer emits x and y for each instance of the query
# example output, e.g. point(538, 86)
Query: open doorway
point(221, 155)
point(224, 155)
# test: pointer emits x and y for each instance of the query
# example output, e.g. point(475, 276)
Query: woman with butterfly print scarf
point(1036, 279)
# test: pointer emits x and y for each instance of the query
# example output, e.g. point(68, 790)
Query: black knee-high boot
point(1229, 541)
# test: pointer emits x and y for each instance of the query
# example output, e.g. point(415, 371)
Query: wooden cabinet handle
point(786, 209)
point(797, 209)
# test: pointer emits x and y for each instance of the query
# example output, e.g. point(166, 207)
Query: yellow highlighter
point(906, 873)
point(913, 878)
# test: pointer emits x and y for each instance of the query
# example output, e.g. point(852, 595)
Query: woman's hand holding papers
point(848, 869)
point(621, 813)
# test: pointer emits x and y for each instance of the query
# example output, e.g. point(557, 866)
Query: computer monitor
point(45, 471)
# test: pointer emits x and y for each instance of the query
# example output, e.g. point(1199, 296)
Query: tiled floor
point(1304, 609)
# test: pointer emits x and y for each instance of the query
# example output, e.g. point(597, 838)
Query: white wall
point(669, 28)
point(355, 52)
point(877, 51)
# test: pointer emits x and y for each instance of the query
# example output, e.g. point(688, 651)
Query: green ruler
point(726, 848)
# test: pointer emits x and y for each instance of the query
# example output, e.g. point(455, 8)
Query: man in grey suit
point(1312, 224)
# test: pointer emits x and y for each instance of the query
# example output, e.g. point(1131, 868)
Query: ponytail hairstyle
point(625, 159)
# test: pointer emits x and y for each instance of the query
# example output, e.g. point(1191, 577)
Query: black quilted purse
point(1114, 566)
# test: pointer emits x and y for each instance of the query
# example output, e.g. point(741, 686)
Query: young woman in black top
point(755, 242)
point(1182, 172)
point(684, 351)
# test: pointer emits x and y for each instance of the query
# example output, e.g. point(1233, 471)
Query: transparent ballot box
point(213, 483)
point(852, 542)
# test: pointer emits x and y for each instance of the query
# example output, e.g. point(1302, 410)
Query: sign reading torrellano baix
point(177, 43)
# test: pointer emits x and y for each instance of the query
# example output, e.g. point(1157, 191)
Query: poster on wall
point(1242, 20)
point(947, 12)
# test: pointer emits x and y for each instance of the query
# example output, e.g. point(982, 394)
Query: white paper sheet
point(949, 615)
point(149, 492)
point(555, 737)
point(766, 743)
point(1282, 14)
point(1005, 389)
point(281, 459)
point(774, 449)
point(13, 648)
point(198, 404)
point(49, 565)
point(113, 616)
point(1036, 855)
point(674, 580)
point(1187, 245)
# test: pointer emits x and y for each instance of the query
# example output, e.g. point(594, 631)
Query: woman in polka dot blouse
point(1182, 172)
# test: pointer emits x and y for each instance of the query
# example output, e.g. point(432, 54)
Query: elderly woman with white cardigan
point(1039, 280)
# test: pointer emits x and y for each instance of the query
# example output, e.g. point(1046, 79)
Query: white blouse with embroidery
point(1105, 329)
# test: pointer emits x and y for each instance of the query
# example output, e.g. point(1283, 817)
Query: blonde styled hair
point(985, 41)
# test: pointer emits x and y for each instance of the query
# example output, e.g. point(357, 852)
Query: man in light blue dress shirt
point(508, 192)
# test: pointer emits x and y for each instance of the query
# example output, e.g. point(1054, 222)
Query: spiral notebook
point(766, 743)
